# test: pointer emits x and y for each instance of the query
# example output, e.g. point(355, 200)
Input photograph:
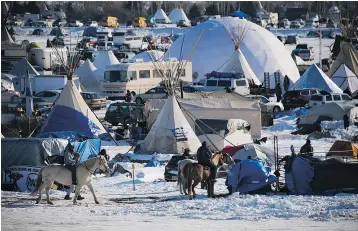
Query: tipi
point(20, 68)
point(177, 15)
point(316, 78)
point(348, 56)
point(346, 79)
point(160, 17)
point(70, 113)
point(104, 59)
point(237, 62)
point(87, 74)
point(171, 132)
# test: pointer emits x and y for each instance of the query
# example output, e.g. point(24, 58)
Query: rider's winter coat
point(204, 155)
point(69, 158)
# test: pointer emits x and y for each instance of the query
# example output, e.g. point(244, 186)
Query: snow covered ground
point(157, 205)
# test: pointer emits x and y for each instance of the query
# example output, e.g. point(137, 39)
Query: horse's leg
point(48, 187)
point(89, 185)
point(194, 185)
point(41, 188)
point(190, 188)
point(77, 191)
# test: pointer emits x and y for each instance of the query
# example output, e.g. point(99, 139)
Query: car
point(319, 99)
point(16, 100)
point(285, 23)
point(39, 69)
point(124, 113)
point(93, 100)
point(171, 169)
point(154, 93)
point(101, 46)
point(305, 54)
point(75, 23)
point(221, 81)
point(267, 105)
point(7, 94)
point(6, 66)
point(291, 39)
point(302, 46)
point(295, 24)
point(191, 89)
point(123, 55)
point(49, 95)
point(183, 23)
point(298, 98)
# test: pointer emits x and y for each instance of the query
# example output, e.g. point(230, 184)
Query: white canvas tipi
point(177, 15)
point(346, 79)
point(161, 16)
point(348, 56)
point(104, 59)
point(171, 132)
point(87, 74)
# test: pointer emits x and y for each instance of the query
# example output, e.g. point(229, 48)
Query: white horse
point(181, 177)
point(84, 171)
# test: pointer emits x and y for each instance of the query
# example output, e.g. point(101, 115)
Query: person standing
point(346, 121)
point(128, 97)
point(278, 92)
point(286, 83)
point(307, 148)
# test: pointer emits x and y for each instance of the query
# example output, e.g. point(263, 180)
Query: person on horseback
point(204, 158)
point(186, 154)
point(104, 153)
point(71, 159)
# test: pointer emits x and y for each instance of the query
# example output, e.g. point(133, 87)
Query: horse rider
point(104, 153)
point(71, 159)
point(186, 154)
point(204, 158)
point(307, 148)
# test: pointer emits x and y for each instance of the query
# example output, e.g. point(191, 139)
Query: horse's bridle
point(84, 163)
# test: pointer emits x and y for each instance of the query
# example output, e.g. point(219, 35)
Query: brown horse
point(196, 173)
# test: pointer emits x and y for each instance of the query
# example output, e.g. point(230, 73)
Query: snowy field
point(158, 205)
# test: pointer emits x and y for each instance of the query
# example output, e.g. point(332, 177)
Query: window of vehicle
point(144, 74)
point(85, 96)
point(49, 94)
point(240, 83)
point(211, 83)
point(314, 92)
point(151, 91)
point(224, 83)
point(113, 108)
point(158, 73)
point(316, 97)
point(345, 97)
point(328, 98)
point(336, 97)
point(120, 76)
point(201, 82)
point(264, 100)
point(129, 39)
point(161, 90)
point(123, 108)
point(41, 94)
point(305, 92)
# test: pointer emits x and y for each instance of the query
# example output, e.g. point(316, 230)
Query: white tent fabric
point(150, 56)
point(299, 61)
point(20, 68)
point(345, 78)
point(347, 55)
point(87, 74)
point(177, 15)
point(262, 50)
point(104, 59)
point(171, 132)
point(160, 15)
point(316, 78)
point(238, 64)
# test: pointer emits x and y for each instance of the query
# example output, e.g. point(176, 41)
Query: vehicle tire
point(276, 109)
point(139, 100)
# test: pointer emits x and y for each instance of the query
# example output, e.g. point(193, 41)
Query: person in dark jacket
point(128, 97)
point(307, 148)
point(204, 158)
point(286, 83)
point(48, 43)
point(278, 92)
point(346, 121)
point(186, 154)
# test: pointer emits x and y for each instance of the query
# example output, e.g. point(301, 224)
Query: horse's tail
point(38, 183)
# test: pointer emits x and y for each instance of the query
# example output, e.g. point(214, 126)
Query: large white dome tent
point(262, 50)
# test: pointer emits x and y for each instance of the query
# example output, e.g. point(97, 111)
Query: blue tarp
point(152, 163)
point(239, 14)
point(87, 149)
point(249, 175)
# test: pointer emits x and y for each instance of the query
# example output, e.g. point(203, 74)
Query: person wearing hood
point(204, 158)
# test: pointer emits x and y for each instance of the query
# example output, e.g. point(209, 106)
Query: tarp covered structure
point(104, 59)
point(20, 68)
point(88, 148)
point(346, 79)
point(344, 148)
point(316, 78)
point(348, 56)
point(31, 152)
point(160, 17)
point(171, 132)
point(178, 15)
point(87, 73)
point(71, 113)
point(261, 49)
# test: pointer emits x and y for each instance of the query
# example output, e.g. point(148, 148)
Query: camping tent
point(316, 78)
point(160, 17)
point(348, 56)
point(20, 68)
point(71, 113)
point(87, 73)
point(56, 31)
point(150, 56)
point(177, 15)
point(90, 32)
point(38, 32)
point(216, 46)
point(343, 148)
point(346, 79)
point(104, 59)
point(171, 132)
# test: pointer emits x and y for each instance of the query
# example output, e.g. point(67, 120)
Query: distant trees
point(194, 12)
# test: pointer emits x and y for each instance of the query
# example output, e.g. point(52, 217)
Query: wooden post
point(181, 89)
point(133, 167)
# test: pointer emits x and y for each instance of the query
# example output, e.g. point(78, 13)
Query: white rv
point(48, 57)
point(139, 76)
point(126, 42)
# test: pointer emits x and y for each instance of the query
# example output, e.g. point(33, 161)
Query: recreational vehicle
point(127, 42)
point(47, 57)
point(139, 76)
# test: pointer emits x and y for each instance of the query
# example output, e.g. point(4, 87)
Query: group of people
point(129, 97)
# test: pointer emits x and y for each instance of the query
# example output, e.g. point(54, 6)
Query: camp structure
point(237, 62)
point(160, 17)
point(71, 113)
point(316, 78)
point(178, 15)
point(149, 56)
point(347, 56)
point(87, 74)
point(171, 132)
point(344, 148)
point(20, 69)
point(346, 80)
point(104, 59)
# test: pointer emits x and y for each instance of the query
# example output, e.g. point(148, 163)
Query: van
point(139, 22)
point(318, 99)
point(240, 85)
point(109, 22)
